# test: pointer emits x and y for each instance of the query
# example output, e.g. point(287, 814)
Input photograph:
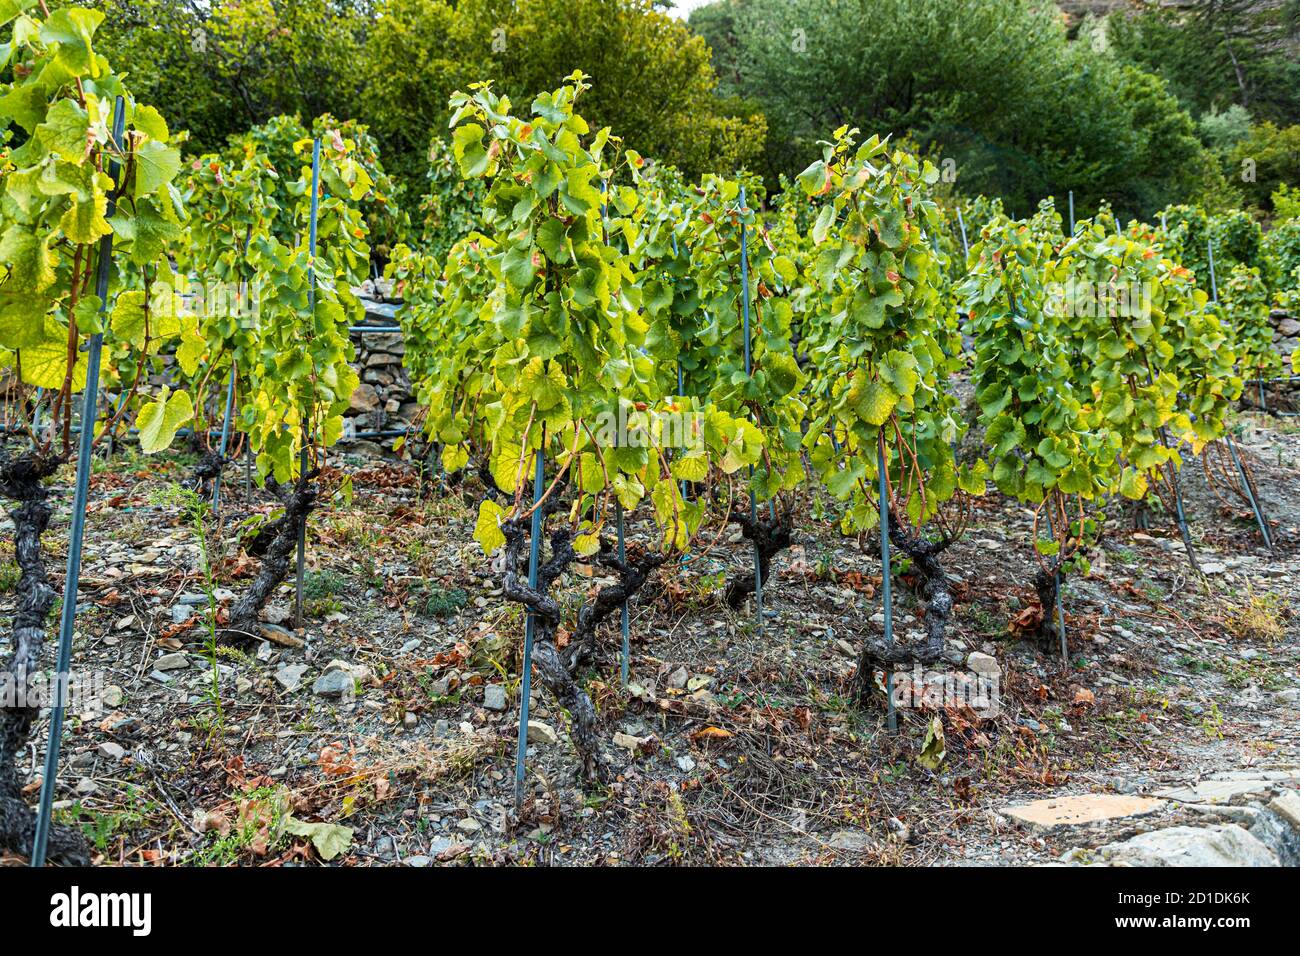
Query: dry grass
point(1258, 618)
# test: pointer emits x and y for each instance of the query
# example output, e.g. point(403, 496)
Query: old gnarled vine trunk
point(936, 597)
point(555, 666)
point(770, 537)
point(21, 482)
point(275, 544)
point(1046, 586)
point(207, 470)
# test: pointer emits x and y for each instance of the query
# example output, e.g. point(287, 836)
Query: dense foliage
point(600, 338)
point(393, 63)
point(994, 85)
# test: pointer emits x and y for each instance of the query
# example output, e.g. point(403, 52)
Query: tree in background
point(1272, 156)
point(651, 78)
point(224, 66)
point(994, 84)
point(1236, 63)
point(221, 67)
point(1215, 53)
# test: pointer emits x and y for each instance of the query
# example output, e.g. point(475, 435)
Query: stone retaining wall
point(383, 402)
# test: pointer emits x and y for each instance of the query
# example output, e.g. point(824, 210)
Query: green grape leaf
point(64, 131)
point(150, 122)
point(72, 28)
point(160, 420)
point(876, 403)
point(517, 266)
point(45, 364)
point(487, 529)
point(467, 148)
point(84, 220)
point(454, 457)
point(329, 839)
point(128, 319)
point(156, 165)
point(1133, 484)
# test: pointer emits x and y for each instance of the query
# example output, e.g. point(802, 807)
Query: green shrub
point(1244, 298)
point(1282, 256)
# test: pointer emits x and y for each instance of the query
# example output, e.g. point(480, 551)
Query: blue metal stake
point(89, 411)
point(1250, 492)
point(311, 304)
point(225, 441)
point(618, 505)
point(681, 391)
point(36, 416)
point(1179, 513)
point(965, 246)
point(681, 378)
point(312, 221)
point(526, 675)
point(749, 366)
point(885, 583)
point(1072, 213)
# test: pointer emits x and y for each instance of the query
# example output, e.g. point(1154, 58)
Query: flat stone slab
point(1081, 810)
point(1228, 845)
point(1223, 788)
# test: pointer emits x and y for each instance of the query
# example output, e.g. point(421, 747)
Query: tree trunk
point(21, 481)
point(276, 545)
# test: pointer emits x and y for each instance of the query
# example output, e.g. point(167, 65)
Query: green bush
point(1266, 159)
point(996, 85)
point(1244, 298)
point(387, 223)
point(1281, 249)
point(1237, 240)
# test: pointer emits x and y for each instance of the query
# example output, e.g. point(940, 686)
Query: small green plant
point(442, 602)
point(1258, 617)
point(100, 828)
point(195, 510)
point(317, 585)
point(1212, 723)
point(323, 607)
point(260, 827)
point(9, 575)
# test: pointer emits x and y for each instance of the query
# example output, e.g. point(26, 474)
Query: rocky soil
point(383, 731)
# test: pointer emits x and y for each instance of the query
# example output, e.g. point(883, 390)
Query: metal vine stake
point(749, 370)
point(89, 412)
point(526, 669)
point(311, 302)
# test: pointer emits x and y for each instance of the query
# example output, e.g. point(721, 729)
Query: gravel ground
point(731, 746)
